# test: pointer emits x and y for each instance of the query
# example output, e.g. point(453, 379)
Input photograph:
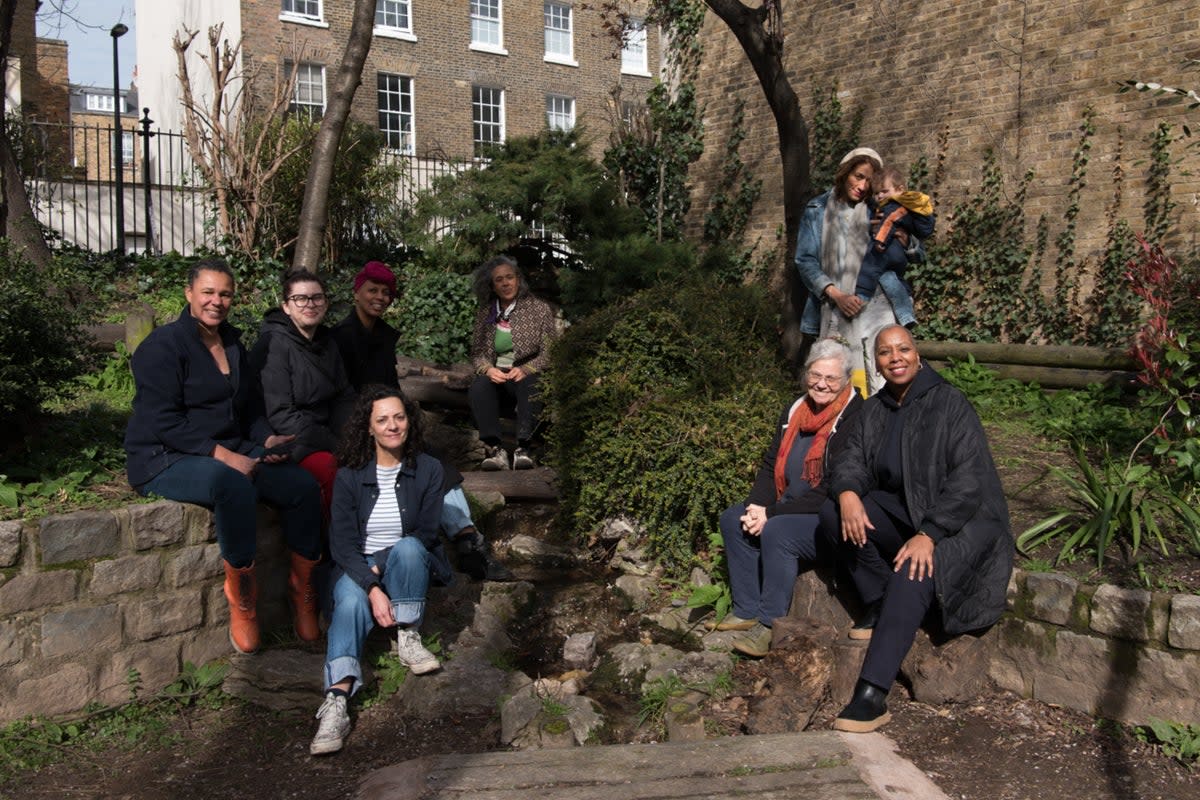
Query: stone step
point(538, 484)
point(821, 764)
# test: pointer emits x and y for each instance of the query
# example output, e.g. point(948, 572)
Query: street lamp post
point(118, 156)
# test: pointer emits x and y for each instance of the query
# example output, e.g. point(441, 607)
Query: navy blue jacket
point(184, 406)
point(419, 497)
point(890, 254)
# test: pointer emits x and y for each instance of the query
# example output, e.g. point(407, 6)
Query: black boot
point(866, 712)
point(865, 626)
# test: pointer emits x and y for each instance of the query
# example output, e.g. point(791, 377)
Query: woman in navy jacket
point(387, 499)
point(198, 435)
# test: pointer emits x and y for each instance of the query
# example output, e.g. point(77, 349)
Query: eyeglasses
point(306, 300)
point(833, 381)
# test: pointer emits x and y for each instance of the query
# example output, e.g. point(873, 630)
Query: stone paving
point(821, 764)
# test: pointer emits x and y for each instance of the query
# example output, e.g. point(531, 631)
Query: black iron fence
point(69, 170)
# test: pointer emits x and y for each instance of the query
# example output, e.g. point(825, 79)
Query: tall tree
point(759, 31)
point(17, 220)
point(314, 213)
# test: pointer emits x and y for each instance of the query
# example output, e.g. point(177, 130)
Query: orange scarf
point(806, 419)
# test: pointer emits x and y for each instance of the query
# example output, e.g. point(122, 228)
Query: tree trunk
point(314, 212)
point(760, 33)
point(17, 221)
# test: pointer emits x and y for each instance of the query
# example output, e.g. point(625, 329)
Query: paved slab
point(820, 764)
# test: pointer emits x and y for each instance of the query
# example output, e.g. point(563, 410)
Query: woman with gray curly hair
point(768, 536)
point(510, 347)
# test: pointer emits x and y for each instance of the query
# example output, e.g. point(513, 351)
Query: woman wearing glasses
point(305, 388)
point(768, 536)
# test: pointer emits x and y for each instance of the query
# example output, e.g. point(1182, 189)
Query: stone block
point(216, 607)
point(1184, 630)
point(10, 542)
point(68, 688)
point(194, 563)
point(81, 630)
point(1164, 686)
point(12, 643)
point(579, 651)
point(278, 679)
point(1050, 596)
point(126, 574)
point(953, 671)
point(637, 589)
point(37, 590)
point(157, 524)
point(156, 663)
point(164, 615)
point(203, 646)
point(79, 536)
point(1123, 613)
point(199, 524)
point(1014, 589)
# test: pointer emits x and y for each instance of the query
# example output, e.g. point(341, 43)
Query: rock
point(684, 722)
point(1184, 630)
point(281, 680)
point(635, 659)
point(127, 574)
point(638, 589)
point(488, 502)
point(10, 542)
point(543, 714)
point(579, 652)
point(37, 590)
point(79, 536)
point(1123, 613)
point(953, 671)
point(631, 560)
point(12, 643)
point(543, 554)
point(699, 577)
point(81, 630)
point(462, 685)
point(693, 669)
point(682, 619)
point(813, 597)
point(798, 677)
point(158, 524)
point(621, 527)
point(1051, 596)
point(164, 614)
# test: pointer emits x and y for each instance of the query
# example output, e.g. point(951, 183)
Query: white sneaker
point(413, 654)
point(522, 459)
point(494, 459)
point(335, 724)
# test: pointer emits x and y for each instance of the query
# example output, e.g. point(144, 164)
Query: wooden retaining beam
point(1050, 366)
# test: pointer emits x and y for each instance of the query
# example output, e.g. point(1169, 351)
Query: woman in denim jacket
point(833, 238)
point(387, 499)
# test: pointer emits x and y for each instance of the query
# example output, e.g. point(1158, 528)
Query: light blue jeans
point(405, 579)
point(456, 512)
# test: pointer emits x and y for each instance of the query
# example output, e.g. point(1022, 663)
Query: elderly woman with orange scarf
point(768, 536)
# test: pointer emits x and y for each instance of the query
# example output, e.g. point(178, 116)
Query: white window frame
point(300, 17)
point(408, 139)
point(477, 104)
point(566, 113)
point(302, 68)
point(550, 11)
point(394, 31)
point(635, 49)
point(94, 101)
point(127, 148)
point(476, 10)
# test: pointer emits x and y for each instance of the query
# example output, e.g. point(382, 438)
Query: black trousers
point(905, 601)
point(486, 397)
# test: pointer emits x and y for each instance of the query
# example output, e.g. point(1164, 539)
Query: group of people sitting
point(313, 421)
point(899, 490)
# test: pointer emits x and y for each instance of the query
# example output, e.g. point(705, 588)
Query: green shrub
point(662, 404)
point(41, 344)
point(436, 312)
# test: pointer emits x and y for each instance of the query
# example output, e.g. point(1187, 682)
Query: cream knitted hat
point(862, 151)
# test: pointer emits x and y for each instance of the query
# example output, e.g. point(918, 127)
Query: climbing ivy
point(733, 198)
point(833, 134)
point(1158, 206)
point(1061, 322)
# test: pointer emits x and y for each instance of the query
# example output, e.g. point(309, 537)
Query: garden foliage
point(662, 404)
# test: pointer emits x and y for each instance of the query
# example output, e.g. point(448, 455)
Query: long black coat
point(952, 491)
point(305, 389)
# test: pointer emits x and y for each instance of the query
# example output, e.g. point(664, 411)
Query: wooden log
point(1055, 377)
point(1073, 356)
point(520, 484)
point(432, 390)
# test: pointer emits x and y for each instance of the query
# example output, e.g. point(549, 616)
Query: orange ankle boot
point(304, 598)
point(241, 590)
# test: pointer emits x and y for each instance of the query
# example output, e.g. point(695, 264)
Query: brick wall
point(86, 597)
point(1013, 76)
point(444, 67)
point(47, 97)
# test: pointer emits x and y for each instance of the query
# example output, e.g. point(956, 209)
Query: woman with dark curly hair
point(509, 348)
point(383, 534)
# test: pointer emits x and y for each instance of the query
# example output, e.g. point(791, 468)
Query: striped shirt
point(385, 527)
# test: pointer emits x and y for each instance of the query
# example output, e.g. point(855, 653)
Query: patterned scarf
point(806, 418)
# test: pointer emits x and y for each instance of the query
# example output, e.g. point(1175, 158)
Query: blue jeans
point(234, 500)
point(763, 568)
point(456, 512)
point(898, 295)
point(405, 579)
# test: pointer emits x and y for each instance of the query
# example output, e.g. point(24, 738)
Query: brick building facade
point(1011, 76)
point(441, 76)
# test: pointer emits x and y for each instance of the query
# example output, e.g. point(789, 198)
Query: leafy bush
point(436, 312)
point(41, 344)
point(662, 404)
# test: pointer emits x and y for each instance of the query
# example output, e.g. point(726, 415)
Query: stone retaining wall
point(87, 597)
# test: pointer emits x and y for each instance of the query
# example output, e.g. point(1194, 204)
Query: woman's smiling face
point(209, 297)
point(896, 357)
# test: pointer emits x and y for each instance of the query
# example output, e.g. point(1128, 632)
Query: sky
point(85, 25)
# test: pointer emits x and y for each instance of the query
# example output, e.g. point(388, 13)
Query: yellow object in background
point(858, 378)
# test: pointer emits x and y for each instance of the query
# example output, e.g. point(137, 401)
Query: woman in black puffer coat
point(920, 508)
